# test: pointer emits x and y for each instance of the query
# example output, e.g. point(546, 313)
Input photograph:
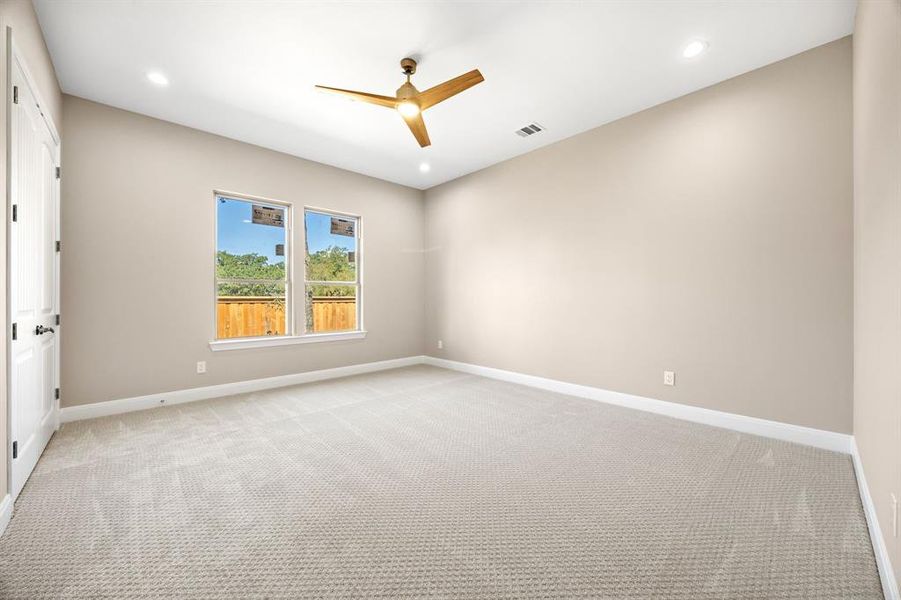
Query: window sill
point(284, 340)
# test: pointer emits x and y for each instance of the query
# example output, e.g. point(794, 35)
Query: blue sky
point(238, 235)
point(319, 234)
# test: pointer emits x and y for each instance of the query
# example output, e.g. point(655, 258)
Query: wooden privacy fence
point(247, 316)
point(334, 313)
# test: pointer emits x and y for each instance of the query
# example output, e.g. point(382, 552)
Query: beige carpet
point(426, 483)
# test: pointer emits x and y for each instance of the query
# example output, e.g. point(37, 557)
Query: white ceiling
point(246, 69)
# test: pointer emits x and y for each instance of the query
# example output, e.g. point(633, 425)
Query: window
point(255, 291)
point(253, 286)
point(332, 272)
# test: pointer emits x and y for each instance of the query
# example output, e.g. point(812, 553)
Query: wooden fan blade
point(386, 101)
point(417, 126)
point(452, 87)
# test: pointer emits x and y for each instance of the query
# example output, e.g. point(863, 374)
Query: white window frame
point(358, 267)
point(294, 334)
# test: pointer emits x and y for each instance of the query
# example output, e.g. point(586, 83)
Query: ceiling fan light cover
point(408, 108)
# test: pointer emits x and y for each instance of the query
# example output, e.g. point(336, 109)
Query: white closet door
point(33, 280)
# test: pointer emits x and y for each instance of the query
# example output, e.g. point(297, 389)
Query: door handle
point(40, 329)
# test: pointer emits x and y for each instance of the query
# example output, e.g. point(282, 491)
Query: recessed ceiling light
point(157, 78)
point(424, 168)
point(694, 48)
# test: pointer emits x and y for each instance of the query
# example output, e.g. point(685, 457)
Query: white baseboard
point(124, 405)
point(6, 512)
point(828, 440)
point(886, 574)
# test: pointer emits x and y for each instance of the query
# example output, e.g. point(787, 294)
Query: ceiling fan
point(410, 102)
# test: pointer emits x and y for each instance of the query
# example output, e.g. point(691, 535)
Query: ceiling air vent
point(530, 129)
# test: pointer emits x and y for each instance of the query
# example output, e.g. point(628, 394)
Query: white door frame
point(11, 56)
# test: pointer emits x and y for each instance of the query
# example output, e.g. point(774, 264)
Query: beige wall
point(137, 261)
point(19, 16)
point(710, 236)
point(877, 255)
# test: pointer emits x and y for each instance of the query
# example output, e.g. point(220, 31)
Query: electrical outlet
point(669, 378)
point(894, 515)
point(201, 366)
point(440, 344)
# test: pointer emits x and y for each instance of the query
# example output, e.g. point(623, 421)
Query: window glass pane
point(331, 308)
point(251, 269)
point(331, 252)
point(251, 243)
point(250, 310)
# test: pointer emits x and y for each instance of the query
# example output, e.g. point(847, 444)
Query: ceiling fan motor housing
point(408, 65)
point(407, 91)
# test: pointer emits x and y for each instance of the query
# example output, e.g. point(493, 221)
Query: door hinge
point(56, 393)
point(58, 172)
point(15, 328)
point(15, 449)
point(57, 318)
point(58, 245)
point(15, 212)
point(15, 94)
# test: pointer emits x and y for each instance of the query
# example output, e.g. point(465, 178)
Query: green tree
point(331, 264)
point(249, 266)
